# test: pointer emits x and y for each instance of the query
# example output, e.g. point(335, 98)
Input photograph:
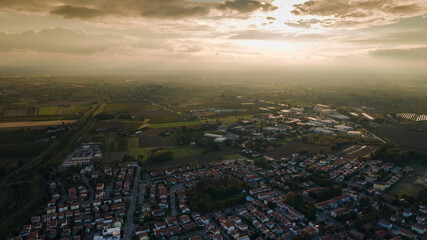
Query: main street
point(129, 226)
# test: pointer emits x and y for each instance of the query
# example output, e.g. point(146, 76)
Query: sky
point(219, 35)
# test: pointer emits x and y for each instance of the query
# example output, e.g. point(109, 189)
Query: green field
point(175, 124)
point(186, 151)
point(47, 110)
point(410, 184)
point(232, 156)
point(129, 106)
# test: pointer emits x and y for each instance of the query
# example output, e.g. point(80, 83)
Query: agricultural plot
point(175, 124)
point(146, 140)
point(47, 110)
point(161, 116)
point(186, 151)
point(37, 124)
point(113, 156)
point(129, 106)
point(16, 112)
point(404, 137)
point(19, 136)
point(200, 158)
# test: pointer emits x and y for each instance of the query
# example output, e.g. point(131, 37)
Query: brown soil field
point(16, 112)
point(292, 148)
point(151, 138)
point(34, 124)
point(113, 156)
point(404, 137)
point(202, 158)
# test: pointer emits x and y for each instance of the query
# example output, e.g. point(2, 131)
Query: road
point(142, 190)
point(129, 226)
point(108, 189)
point(375, 136)
point(172, 195)
point(89, 187)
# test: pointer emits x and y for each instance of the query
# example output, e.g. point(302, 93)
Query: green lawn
point(129, 106)
point(232, 156)
point(47, 110)
point(135, 152)
point(186, 151)
point(408, 185)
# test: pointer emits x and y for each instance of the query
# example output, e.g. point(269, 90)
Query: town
point(256, 193)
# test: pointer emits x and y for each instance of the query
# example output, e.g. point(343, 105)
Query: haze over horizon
point(136, 36)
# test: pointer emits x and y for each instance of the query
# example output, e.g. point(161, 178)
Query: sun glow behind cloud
point(205, 33)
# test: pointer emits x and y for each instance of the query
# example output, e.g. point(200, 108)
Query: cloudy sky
point(101, 35)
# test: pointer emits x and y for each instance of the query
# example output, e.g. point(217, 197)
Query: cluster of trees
point(336, 142)
point(262, 163)
point(187, 135)
point(7, 168)
point(398, 155)
point(209, 195)
point(161, 156)
point(326, 194)
point(297, 200)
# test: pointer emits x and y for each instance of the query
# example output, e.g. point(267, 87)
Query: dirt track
point(34, 124)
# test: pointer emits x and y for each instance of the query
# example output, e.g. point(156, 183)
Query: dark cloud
point(348, 8)
point(246, 6)
point(58, 40)
point(303, 23)
point(162, 9)
point(418, 54)
point(358, 12)
point(68, 11)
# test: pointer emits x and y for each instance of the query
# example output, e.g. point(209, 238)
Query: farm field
point(47, 110)
point(202, 158)
point(175, 124)
point(149, 138)
point(130, 106)
point(404, 137)
point(34, 124)
point(9, 136)
point(232, 156)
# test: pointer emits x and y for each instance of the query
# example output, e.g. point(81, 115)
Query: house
point(171, 221)
point(406, 233)
point(340, 212)
point(160, 225)
point(196, 237)
point(385, 224)
point(418, 228)
point(228, 226)
point(184, 219)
